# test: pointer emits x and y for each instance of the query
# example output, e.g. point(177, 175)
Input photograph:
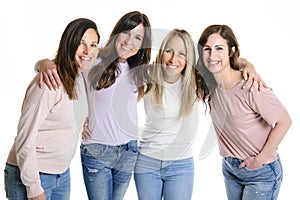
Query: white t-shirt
point(112, 111)
point(165, 136)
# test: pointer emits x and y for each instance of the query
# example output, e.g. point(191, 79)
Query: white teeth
point(172, 66)
point(126, 48)
point(213, 62)
point(86, 58)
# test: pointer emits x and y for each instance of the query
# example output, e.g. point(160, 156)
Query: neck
point(171, 79)
point(228, 79)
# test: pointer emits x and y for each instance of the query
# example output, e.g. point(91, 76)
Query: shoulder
point(35, 93)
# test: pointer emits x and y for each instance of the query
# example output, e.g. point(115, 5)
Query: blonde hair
point(188, 87)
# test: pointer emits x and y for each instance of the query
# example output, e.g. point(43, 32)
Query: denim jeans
point(168, 180)
point(56, 186)
point(245, 184)
point(107, 170)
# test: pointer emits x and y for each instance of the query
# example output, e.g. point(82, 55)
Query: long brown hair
point(65, 61)
point(104, 74)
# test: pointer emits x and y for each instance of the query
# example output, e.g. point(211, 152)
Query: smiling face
point(216, 54)
point(174, 59)
point(87, 50)
point(129, 42)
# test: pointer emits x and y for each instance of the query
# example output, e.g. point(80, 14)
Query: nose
point(174, 57)
point(129, 39)
point(212, 53)
point(86, 49)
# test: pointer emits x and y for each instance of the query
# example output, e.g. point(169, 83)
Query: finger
point(86, 134)
point(41, 80)
point(51, 78)
point(46, 80)
point(260, 85)
point(243, 164)
point(57, 79)
point(245, 75)
point(254, 84)
point(53, 82)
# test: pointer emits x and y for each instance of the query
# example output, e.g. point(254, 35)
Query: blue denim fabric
point(260, 184)
point(168, 180)
point(14, 188)
point(107, 170)
point(56, 186)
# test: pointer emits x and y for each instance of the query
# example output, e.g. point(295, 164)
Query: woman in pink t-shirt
point(249, 125)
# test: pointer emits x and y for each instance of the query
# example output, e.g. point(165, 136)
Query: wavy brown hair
point(208, 83)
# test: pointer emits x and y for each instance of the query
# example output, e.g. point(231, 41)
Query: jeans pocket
point(93, 150)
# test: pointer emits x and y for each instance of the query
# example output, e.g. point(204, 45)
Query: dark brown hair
point(65, 61)
point(206, 81)
point(104, 74)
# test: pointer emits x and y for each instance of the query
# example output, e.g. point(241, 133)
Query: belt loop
point(128, 145)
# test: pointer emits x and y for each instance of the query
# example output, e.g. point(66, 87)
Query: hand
point(86, 133)
point(48, 74)
point(253, 78)
point(252, 163)
point(250, 75)
point(40, 197)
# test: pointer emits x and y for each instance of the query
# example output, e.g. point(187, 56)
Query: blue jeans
point(107, 170)
point(56, 186)
point(244, 184)
point(168, 180)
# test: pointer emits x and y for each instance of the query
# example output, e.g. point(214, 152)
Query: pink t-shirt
point(243, 119)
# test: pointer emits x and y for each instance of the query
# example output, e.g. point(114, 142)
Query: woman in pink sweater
point(37, 167)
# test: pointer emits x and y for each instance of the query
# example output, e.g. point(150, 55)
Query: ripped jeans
point(260, 184)
point(107, 170)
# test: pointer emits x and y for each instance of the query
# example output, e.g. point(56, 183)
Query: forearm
point(275, 137)
point(244, 64)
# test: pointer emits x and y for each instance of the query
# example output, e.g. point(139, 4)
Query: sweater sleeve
point(36, 106)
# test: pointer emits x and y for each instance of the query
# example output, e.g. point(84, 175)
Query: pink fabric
point(47, 136)
point(243, 119)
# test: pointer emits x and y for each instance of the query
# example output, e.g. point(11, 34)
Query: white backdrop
point(267, 30)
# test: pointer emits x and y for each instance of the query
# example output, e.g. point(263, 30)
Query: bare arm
point(48, 74)
point(267, 154)
point(250, 75)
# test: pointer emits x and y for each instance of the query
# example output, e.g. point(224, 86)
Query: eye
point(220, 48)
point(94, 45)
point(182, 54)
point(169, 51)
point(206, 49)
point(139, 38)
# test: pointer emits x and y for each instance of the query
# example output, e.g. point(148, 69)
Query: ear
point(232, 51)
